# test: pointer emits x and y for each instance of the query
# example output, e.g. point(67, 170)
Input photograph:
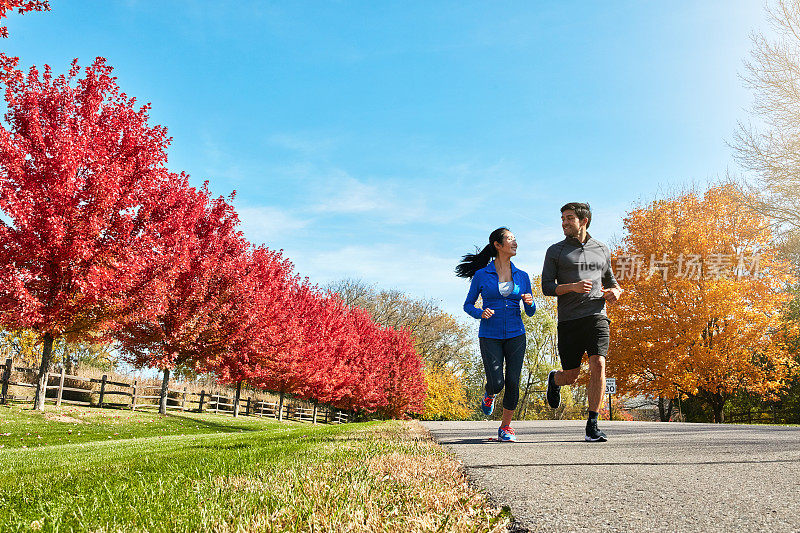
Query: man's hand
point(612, 294)
point(583, 286)
point(527, 298)
point(487, 313)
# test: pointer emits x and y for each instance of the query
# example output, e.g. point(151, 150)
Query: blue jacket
point(506, 322)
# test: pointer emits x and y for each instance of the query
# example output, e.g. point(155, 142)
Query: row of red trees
point(97, 236)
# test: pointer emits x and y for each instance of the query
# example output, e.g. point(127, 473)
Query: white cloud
point(263, 224)
point(388, 266)
point(341, 193)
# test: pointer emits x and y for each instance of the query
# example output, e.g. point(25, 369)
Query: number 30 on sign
point(611, 386)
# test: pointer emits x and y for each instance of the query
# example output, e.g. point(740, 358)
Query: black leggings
point(494, 352)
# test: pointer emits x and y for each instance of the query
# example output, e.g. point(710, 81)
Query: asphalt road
point(649, 476)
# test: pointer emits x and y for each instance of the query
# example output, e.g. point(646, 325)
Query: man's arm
point(611, 289)
point(549, 276)
point(582, 286)
point(549, 271)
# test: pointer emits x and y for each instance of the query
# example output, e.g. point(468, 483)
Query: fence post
point(247, 411)
point(216, 404)
point(6, 379)
point(183, 401)
point(60, 387)
point(202, 397)
point(236, 399)
point(133, 398)
point(102, 390)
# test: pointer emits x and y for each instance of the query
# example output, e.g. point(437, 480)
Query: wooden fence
point(761, 416)
point(138, 396)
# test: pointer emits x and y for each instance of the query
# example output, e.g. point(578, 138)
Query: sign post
point(611, 388)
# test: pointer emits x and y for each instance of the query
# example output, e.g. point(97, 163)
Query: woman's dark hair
point(471, 263)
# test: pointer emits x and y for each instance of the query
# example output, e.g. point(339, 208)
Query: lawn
point(108, 470)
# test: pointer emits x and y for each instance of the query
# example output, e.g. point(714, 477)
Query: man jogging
point(578, 271)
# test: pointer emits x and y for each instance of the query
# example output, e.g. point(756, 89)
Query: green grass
point(210, 472)
point(20, 427)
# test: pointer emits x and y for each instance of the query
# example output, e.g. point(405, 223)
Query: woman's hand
point(527, 298)
point(487, 313)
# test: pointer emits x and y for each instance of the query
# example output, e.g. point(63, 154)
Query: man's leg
point(597, 378)
point(566, 377)
point(597, 381)
point(570, 351)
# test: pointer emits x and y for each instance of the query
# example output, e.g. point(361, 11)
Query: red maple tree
point(403, 379)
point(197, 296)
point(257, 331)
point(93, 224)
point(8, 65)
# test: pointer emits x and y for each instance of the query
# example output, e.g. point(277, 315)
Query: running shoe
point(553, 391)
point(487, 405)
point(593, 434)
point(506, 434)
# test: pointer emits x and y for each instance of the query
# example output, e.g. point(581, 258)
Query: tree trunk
point(280, 408)
point(69, 365)
point(237, 398)
point(717, 403)
point(719, 414)
point(162, 406)
point(44, 368)
point(664, 409)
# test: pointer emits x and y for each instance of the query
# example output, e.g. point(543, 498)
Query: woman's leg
point(492, 355)
point(514, 353)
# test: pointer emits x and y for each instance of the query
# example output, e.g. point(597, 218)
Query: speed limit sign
point(611, 386)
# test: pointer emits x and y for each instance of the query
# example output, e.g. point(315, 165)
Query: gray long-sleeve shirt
point(570, 261)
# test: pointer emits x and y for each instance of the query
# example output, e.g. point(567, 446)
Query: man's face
point(571, 224)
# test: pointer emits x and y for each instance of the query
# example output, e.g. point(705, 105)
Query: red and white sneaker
point(506, 434)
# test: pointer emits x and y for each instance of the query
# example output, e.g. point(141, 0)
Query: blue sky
point(383, 140)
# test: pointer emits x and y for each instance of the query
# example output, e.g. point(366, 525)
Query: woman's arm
point(472, 297)
point(530, 309)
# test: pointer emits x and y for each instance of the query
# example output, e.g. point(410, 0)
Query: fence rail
point(176, 399)
point(759, 416)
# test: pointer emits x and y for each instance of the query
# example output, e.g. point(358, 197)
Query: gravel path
point(649, 476)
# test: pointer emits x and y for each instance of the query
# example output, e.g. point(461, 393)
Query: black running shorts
point(587, 335)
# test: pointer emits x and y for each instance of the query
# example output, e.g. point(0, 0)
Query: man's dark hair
point(581, 209)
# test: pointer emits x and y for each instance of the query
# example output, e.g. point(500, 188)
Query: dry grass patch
point(54, 417)
point(389, 477)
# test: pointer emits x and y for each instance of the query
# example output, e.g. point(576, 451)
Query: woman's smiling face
point(508, 246)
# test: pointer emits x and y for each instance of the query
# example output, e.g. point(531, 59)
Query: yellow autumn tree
point(704, 289)
point(446, 397)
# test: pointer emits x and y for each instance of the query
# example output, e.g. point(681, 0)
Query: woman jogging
point(501, 286)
